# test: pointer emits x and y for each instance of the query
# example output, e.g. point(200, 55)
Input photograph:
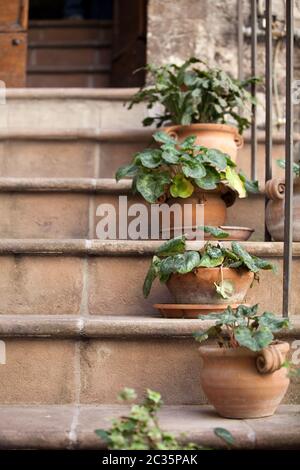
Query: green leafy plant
point(140, 429)
point(243, 327)
point(172, 257)
point(296, 166)
point(195, 94)
point(179, 169)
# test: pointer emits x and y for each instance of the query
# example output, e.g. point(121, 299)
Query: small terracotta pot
point(198, 286)
point(275, 190)
point(218, 136)
point(240, 383)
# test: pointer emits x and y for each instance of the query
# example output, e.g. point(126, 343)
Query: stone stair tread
point(101, 135)
point(109, 326)
point(72, 426)
point(36, 184)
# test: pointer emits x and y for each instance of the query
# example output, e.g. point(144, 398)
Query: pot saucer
point(235, 233)
point(190, 310)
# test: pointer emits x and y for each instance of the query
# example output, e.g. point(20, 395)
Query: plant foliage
point(195, 93)
point(243, 327)
point(140, 429)
point(296, 166)
point(178, 169)
point(172, 257)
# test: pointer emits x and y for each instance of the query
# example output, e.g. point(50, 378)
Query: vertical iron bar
point(288, 210)
point(240, 39)
point(253, 86)
point(269, 94)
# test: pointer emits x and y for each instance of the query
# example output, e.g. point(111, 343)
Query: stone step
point(66, 208)
point(106, 277)
point(83, 359)
point(72, 427)
point(72, 53)
point(45, 31)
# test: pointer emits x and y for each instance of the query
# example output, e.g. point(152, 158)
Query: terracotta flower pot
point(240, 383)
point(218, 136)
point(275, 190)
point(198, 286)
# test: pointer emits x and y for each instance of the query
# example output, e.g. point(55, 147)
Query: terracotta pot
point(218, 136)
point(240, 383)
point(213, 211)
point(198, 286)
point(275, 190)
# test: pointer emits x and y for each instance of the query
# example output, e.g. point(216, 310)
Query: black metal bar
point(269, 93)
point(253, 87)
point(240, 39)
point(288, 210)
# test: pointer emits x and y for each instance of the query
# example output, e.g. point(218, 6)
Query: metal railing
point(268, 42)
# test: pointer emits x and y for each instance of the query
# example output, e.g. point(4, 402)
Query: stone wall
point(208, 29)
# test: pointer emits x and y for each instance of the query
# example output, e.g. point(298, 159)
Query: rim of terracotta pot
point(214, 350)
point(210, 126)
point(217, 269)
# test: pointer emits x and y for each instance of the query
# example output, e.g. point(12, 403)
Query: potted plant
point(216, 275)
point(242, 373)
point(198, 100)
point(275, 190)
point(187, 173)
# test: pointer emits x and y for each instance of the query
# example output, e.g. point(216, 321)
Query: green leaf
point(172, 247)
point(250, 186)
point(127, 394)
point(209, 181)
point(256, 340)
point(194, 170)
point(214, 231)
point(274, 324)
point(188, 142)
point(246, 311)
point(126, 171)
point(224, 435)
point(102, 434)
point(163, 138)
point(263, 264)
point(150, 158)
point(235, 182)
point(245, 257)
point(170, 154)
point(216, 158)
point(208, 262)
point(148, 121)
point(181, 263)
point(181, 187)
point(225, 289)
point(151, 275)
point(152, 185)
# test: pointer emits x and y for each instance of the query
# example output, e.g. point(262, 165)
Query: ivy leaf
point(172, 247)
point(216, 158)
point(164, 138)
point(225, 435)
point(150, 158)
point(126, 171)
point(245, 257)
point(235, 182)
point(181, 187)
point(215, 231)
point(209, 181)
point(225, 289)
point(253, 340)
point(274, 324)
point(152, 185)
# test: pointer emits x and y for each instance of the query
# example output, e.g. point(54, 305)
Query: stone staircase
point(69, 53)
point(72, 315)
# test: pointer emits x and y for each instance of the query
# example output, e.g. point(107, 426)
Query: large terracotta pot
point(198, 286)
point(275, 190)
point(240, 383)
point(218, 136)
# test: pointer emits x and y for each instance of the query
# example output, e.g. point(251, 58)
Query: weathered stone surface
point(38, 285)
point(62, 427)
point(106, 366)
point(38, 371)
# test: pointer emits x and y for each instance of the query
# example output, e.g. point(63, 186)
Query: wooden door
point(13, 42)
point(129, 42)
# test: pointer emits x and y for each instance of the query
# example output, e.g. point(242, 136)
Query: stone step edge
point(137, 134)
point(105, 94)
point(73, 426)
point(71, 326)
point(84, 247)
point(97, 185)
